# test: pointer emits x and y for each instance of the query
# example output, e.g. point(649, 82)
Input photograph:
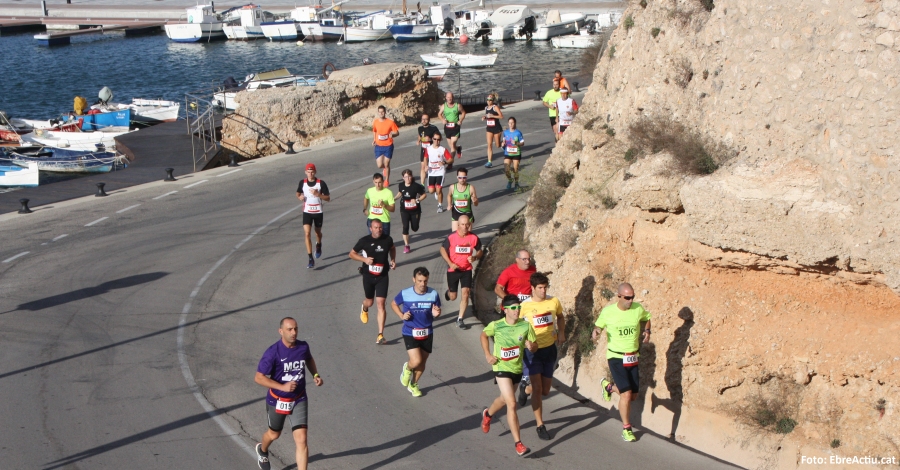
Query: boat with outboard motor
point(303, 23)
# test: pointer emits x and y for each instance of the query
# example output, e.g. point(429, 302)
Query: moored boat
point(459, 60)
point(73, 140)
point(573, 41)
point(203, 26)
point(547, 26)
point(66, 161)
point(245, 22)
point(12, 176)
point(225, 98)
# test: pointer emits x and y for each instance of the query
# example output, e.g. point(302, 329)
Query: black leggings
point(410, 218)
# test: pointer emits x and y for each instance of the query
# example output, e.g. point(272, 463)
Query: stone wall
point(267, 119)
point(773, 281)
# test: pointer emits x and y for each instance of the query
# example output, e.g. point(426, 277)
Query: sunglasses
point(627, 297)
point(514, 307)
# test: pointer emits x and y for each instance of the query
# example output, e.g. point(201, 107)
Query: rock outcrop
point(774, 280)
point(267, 119)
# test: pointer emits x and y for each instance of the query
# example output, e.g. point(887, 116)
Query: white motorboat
point(547, 26)
point(419, 27)
point(203, 26)
point(502, 24)
point(371, 27)
point(437, 72)
point(245, 22)
point(146, 111)
point(459, 60)
point(453, 23)
point(74, 140)
point(261, 81)
point(301, 23)
point(18, 176)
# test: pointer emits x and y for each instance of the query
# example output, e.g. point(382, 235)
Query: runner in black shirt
point(426, 130)
point(377, 254)
point(411, 194)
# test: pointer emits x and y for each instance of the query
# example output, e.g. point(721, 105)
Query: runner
point(426, 132)
point(626, 323)
point(311, 192)
point(282, 370)
point(567, 109)
point(510, 334)
point(462, 198)
point(452, 115)
point(382, 204)
point(493, 129)
point(546, 316)
point(373, 252)
point(563, 83)
point(460, 250)
point(417, 306)
point(439, 160)
point(513, 141)
point(384, 130)
point(412, 194)
point(516, 278)
point(549, 101)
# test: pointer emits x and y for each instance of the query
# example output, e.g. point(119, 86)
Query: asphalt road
point(132, 325)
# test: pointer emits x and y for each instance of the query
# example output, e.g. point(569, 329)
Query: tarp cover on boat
point(271, 74)
point(510, 14)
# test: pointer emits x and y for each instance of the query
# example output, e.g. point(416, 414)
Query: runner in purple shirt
point(282, 370)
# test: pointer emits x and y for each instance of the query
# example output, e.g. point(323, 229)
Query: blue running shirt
point(510, 139)
point(419, 326)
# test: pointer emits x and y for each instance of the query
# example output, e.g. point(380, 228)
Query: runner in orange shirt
point(384, 130)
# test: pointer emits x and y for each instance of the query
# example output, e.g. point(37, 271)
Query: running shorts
point(310, 219)
point(298, 417)
point(423, 344)
point(516, 378)
point(457, 279)
point(375, 286)
point(552, 121)
point(562, 128)
point(513, 157)
point(435, 182)
point(542, 361)
point(410, 219)
point(494, 129)
point(455, 214)
point(384, 151)
point(451, 131)
point(421, 154)
point(625, 378)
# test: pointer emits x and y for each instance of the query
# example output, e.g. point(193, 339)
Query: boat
point(413, 32)
point(260, 81)
point(459, 60)
point(11, 176)
point(302, 23)
point(94, 120)
point(549, 25)
point(583, 40)
point(67, 161)
point(437, 72)
point(458, 21)
point(73, 140)
point(502, 24)
point(369, 27)
point(245, 22)
point(203, 26)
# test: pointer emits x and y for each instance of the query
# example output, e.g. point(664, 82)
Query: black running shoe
point(542, 433)
point(262, 459)
point(447, 295)
point(521, 396)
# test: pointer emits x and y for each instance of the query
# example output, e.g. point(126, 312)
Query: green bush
point(643, 3)
point(628, 23)
point(630, 155)
point(610, 132)
point(835, 443)
point(708, 5)
point(612, 51)
point(564, 179)
point(785, 425)
point(655, 32)
point(609, 202)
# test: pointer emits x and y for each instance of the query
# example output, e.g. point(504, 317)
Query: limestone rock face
point(267, 119)
point(778, 274)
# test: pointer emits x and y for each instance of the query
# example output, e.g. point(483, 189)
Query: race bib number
point(284, 407)
point(435, 165)
point(410, 204)
point(376, 211)
point(376, 269)
point(630, 360)
point(523, 297)
point(461, 203)
point(450, 125)
point(512, 149)
point(491, 122)
point(543, 320)
point(425, 145)
point(383, 136)
point(464, 250)
point(509, 354)
point(313, 208)
point(421, 333)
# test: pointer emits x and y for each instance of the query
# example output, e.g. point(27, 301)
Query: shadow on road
point(88, 292)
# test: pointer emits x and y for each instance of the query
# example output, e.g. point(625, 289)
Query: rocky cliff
point(736, 162)
point(267, 119)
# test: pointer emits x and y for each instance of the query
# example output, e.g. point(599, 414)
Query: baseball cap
point(310, 166)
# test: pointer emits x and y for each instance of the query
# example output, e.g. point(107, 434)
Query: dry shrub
point(594, 52)
point(773, 407)
point(693, 153)
point(546, 193)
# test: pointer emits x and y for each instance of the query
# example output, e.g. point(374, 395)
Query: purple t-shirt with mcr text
point(283, 364)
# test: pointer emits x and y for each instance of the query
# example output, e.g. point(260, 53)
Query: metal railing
point(495, 74)
point(200, 115)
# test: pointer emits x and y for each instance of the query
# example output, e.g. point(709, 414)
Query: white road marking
point(126, 209)
point(164, 195)
point(101, 219)
point(7, 260)
point(60, 237)
point(195, 184)
point(229, 172)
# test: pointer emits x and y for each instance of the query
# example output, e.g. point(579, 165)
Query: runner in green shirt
point(510, 334)
point(550, 102)
point(626, 323)
point(378, 204)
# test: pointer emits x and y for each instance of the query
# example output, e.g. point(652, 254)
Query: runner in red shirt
point(515, 279)
point(460, 250)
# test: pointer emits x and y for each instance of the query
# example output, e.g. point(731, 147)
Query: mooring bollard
point(24, 209)
point(537, 95)
point(100, 191)
point(169, 176)
point(290, 148)
point(575, 86)
point(233, 162)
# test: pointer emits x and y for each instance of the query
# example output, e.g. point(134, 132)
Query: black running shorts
point(455, 214)
point(310, 219)
point(552, 121)
point(456, 279)
point(625, 378)
point(423, 344)
point(516, 378)
point(375, 286)
point(451, 131)
point(562, 128)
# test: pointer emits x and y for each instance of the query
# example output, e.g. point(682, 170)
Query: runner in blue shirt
point(282, 370)
point(513, 141)
point(417, 306)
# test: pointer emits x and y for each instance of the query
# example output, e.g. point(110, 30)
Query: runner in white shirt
point(312, 192)
point(438, 159)
point(566, 109)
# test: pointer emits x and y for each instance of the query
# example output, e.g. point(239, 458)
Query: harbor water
point(41, 82)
